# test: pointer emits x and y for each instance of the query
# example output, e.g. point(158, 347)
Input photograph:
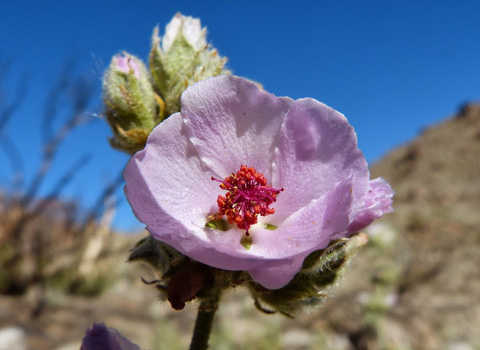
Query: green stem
point(203, 324)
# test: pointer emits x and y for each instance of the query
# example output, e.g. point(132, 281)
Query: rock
point(459, 346)
point(297, 339)
point(13, 338)
point(70, 346)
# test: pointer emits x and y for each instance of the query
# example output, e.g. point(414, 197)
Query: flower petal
point(101, 337)
point(278, 276)
point(378, 201)
point(317, 149)
point(167, 186)
point(309, 229)
point(231, 122)
point(171, 191)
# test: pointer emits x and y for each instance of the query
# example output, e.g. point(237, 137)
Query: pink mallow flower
point(286, 174)
point(101, 337)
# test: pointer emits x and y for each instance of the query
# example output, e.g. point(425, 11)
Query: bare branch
point(50, 151)
point(40, 230)
point(67, 177)
point(8, 110)
point(16, 161)
point(5, 65)
point(53, 100)
point(98, 206)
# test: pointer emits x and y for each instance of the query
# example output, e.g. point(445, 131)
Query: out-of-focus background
point(405, 74)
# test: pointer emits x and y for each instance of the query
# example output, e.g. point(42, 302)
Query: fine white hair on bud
point(189, 27)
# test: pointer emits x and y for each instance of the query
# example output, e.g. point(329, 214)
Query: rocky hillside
point(437, 218)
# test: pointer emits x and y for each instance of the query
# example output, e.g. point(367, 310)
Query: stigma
point(248, 195)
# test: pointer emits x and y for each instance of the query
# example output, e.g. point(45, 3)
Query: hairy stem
point(203, 324)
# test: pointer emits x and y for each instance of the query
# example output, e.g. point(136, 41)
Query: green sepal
point(320, 270)
point(181, 279)
point(159, 256)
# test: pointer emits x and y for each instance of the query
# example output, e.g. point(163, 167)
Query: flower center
point(248, 196)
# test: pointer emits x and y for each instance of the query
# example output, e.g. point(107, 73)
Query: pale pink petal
point(308, 230)
point(317, 150)
point(378, 201)
point(168, 188)
point(126, 63)
point(278, 276)
point(231, 122)
point(172, 193)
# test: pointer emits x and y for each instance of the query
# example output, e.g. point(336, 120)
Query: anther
point(248, 196)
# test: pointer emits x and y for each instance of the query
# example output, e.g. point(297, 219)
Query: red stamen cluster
point(248, 196)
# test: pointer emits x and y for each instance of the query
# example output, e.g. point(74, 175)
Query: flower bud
point(180, 58)
point(132, 107)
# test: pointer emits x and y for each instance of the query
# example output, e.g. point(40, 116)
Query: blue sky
point(392, 67)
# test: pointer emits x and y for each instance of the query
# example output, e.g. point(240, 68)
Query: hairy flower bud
point(180, 58)
point(131, 105)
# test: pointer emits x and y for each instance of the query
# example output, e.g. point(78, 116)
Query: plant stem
point(203, 324)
